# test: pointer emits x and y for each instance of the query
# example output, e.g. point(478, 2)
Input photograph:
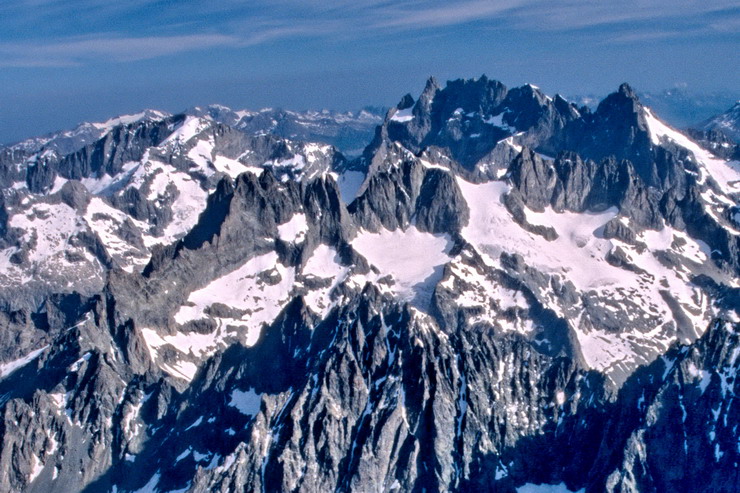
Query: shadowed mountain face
point(502, 290)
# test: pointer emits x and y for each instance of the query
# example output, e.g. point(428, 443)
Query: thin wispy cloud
point(263, 52)
point(157, 29)
point(653, 36)
point(580, 14)
point(70, 52)
point(730, 25)
point(447, 15)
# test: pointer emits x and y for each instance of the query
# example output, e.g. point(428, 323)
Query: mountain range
point(502, 291)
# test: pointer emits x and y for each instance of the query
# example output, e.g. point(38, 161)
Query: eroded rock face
point(503, 289)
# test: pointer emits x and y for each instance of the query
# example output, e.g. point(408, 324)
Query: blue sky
point(65, 61)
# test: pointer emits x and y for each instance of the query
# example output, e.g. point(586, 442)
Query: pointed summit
point(431, 89)
point(623, 101)
point(432, 84)
point(627, 91)
point(406, 102)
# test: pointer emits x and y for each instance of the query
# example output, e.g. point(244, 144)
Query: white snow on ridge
point(403, 115)
point(604, 350)
point(50, 226)
point(323, 264)
point(411, 256)
point(472, 289)
point(102, 184)
point(186, 208)
point(579, 255)
point(725, 173)
point(49, 229)
point(181, 368)
point(201, 154)
point(53, 256)
point(575, 233)
point(58, 184)
point(106, 221)
point(232, 167)
point(11, 366)
point(243, 289)
point(315, 151)
point(498, 121)
point(128, 119)
point(259, 289)
point(191, 127)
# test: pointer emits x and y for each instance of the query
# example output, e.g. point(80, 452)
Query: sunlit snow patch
point(232, 167)
point(414, 259)
point(188, 204)
point(260, 288)
point(240, 303)
point(107, 222)
point(11, 366)
point(128, 119)
point(323, 264)
point(54, 257)
point(579, 255)
point(725, 173)
point(189, 128)
point(471, 288)
point(294, 230)
point(403, 115)
point(48, 227)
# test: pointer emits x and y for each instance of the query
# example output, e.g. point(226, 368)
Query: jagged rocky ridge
point(503, 289)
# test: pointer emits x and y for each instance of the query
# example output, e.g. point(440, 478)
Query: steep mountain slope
point(504, 289)
point(114, 202)
point(727, 123)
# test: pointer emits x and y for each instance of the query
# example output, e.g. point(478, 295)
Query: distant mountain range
point(678, 107)
point(502, 291)
point(727, 123)
point(347, 131)
point(350, 131)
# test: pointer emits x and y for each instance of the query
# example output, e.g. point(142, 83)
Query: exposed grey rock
point(40, 177)
point(75, 195)
point(123, 144)
point(226, 329)
point(716, 142)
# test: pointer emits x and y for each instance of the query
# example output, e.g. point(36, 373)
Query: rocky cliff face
point(503, 290)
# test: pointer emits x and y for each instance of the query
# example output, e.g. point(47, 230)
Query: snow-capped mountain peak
point(502, 290)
